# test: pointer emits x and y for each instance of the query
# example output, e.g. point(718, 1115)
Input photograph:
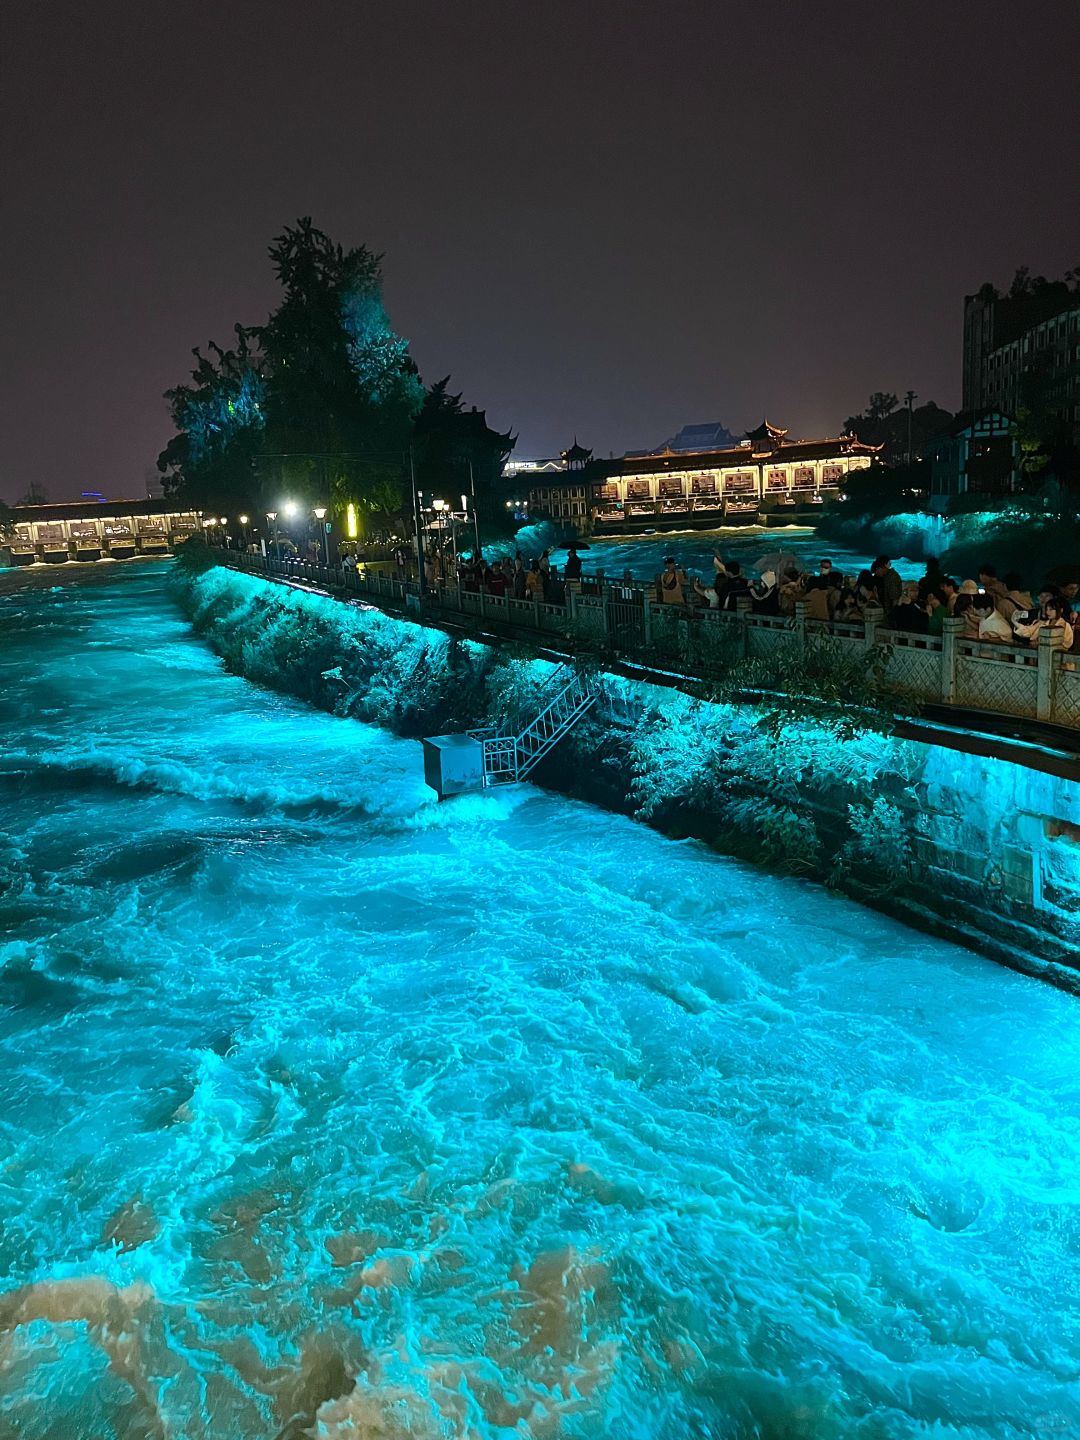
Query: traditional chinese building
point(92, 530)
point(977, 455)
point(767, 479)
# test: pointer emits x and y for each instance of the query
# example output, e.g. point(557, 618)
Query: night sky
point(603, 219)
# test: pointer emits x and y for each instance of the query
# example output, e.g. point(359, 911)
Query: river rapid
point(329, 1110)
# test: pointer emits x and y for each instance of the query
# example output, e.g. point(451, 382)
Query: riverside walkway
point(623, 621)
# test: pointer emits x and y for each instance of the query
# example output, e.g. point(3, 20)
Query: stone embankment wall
point(979, 849)
point(1001, 843)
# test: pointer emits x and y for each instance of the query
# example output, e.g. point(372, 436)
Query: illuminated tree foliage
point(219, 419)
point(320, 400)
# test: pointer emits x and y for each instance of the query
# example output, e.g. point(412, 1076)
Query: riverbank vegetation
point(765, 785)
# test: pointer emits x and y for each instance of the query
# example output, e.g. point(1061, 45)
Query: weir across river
point(1017, 694)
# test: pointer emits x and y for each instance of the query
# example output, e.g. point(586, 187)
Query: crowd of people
point(997, 611)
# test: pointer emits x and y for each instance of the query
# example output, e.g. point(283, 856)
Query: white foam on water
point(329, 1110)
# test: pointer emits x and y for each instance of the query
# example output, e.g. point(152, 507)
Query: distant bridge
point(90, 529)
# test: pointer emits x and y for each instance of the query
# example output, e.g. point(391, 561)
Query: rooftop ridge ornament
point(577, 457)
point(767, 433)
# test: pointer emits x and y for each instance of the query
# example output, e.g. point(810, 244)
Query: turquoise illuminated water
point(505, 1117)
point(642, 556)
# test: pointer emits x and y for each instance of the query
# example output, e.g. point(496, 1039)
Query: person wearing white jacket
point(1052, 615)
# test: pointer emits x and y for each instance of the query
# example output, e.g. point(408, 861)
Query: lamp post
point(320, 515)
point(243, 519)
point(291, 509)
point(475, 517)
point(909, 399)
point(418, 524)
point(271, 516)
point(441, 509)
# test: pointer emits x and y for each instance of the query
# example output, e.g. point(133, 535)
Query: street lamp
point(271, 515)
point(440, 507)
point(290, 509)
point(320, 515)
point(243, 519)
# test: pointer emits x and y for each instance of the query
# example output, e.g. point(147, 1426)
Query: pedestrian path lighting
point(243, 519)
point(440, 507)
point(290, 507)
point(320, 515)
point(271, 516)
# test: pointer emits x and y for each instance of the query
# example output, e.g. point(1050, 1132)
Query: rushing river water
point(324, 1105)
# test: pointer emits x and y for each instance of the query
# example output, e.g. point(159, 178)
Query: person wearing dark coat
point(888, 582)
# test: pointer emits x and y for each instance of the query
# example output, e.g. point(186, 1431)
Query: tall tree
point(219, 419)
point(882, 404)
point(342, 387)
point(883, 424)
point(319, 402)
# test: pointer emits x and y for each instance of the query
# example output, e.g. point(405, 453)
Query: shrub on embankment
point(848, 810)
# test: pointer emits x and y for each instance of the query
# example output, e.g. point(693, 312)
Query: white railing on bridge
point(1038, 683)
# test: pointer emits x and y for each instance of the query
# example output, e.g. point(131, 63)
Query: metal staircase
point(510, 758)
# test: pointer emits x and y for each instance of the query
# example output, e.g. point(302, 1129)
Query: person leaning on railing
point(1054, 616)
point(987, 623)
point(671, 583)
point(908, 614)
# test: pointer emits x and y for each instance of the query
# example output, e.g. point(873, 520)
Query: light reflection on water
point(511, 1108)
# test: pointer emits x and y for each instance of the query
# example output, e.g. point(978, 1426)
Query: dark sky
point(604, 219)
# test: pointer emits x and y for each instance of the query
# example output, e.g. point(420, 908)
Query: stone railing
point(1031, 682)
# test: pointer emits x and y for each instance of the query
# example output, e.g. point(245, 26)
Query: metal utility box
point(453, 763)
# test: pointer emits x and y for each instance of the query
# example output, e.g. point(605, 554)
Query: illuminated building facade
point(768, 479)
point(89, 530)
